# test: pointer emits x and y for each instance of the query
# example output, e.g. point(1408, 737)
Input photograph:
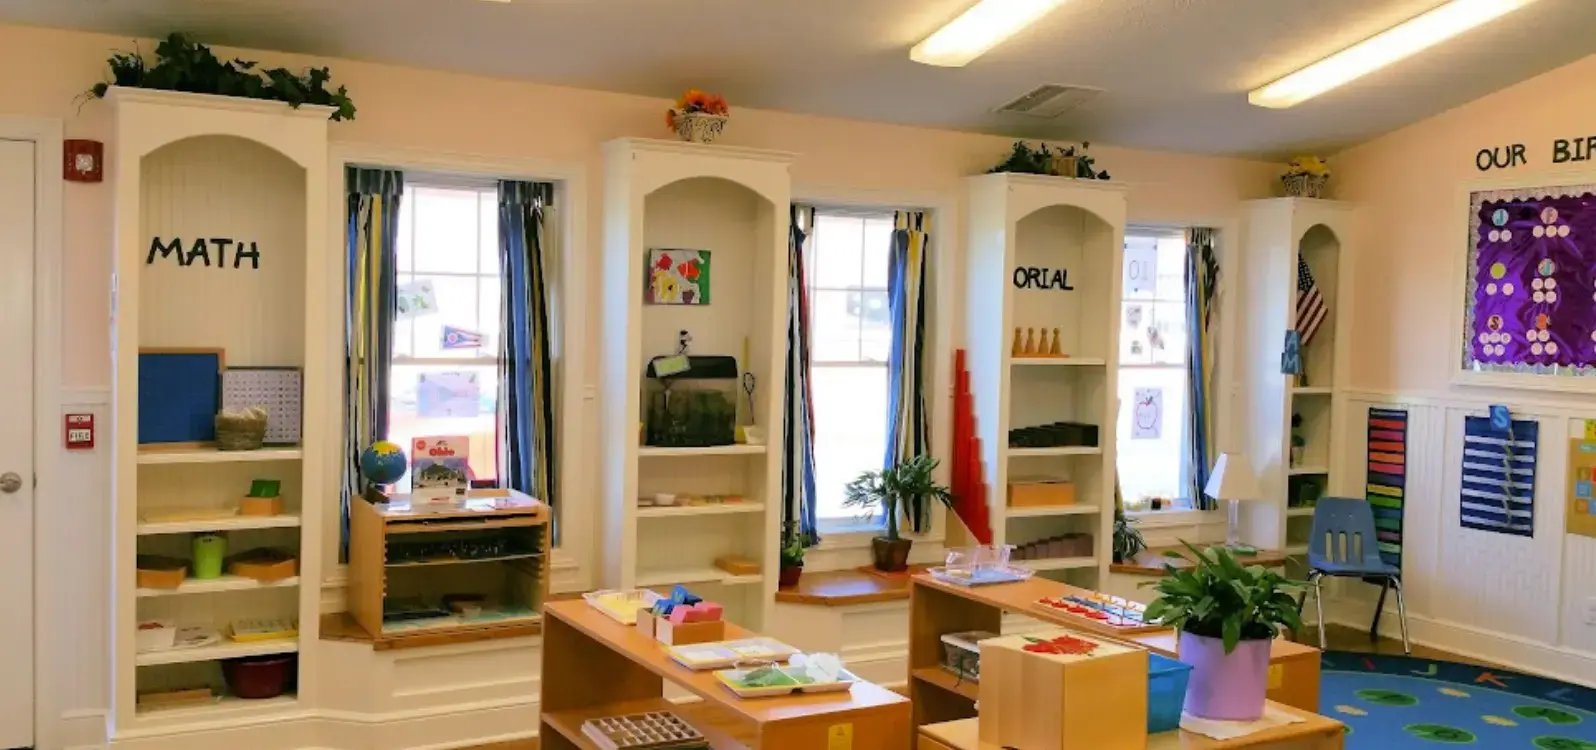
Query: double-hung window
point(1153, 372)
point(445, 373)
point(850, 337)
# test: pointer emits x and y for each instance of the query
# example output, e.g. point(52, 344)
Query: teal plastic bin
point(1166, 692)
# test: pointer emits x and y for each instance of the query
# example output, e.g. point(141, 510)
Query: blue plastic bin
point(1166, 692)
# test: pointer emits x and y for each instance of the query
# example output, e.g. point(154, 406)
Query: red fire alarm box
point(84, 161)
point(79, 432)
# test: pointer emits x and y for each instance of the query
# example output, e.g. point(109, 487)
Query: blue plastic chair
point(1344, 545)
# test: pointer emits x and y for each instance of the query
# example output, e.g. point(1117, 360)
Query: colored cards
point(1388, 478)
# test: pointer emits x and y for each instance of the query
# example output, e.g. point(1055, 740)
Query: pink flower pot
point(1230, 687)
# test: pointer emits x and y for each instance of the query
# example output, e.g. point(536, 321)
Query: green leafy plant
point(1128, 540)
point(891, 489)
point(792, 546)
point(182, 64)
point(1220, 598)
point(1023, 159)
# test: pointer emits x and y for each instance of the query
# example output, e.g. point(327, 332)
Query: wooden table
point(936, 608)
point(594, 666)
point(1152, 561)
point(842, 588)
point(1313, 733)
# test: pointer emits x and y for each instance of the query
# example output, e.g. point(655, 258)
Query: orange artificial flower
point(670, 119)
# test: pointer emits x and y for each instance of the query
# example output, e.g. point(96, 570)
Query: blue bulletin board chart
point(180, 392)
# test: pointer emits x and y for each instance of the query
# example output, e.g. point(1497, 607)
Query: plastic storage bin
point(961, 653)
point(1166, 692)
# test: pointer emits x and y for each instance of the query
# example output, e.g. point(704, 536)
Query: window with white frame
point(1152, 373)
point(445, 374)
point(850, 337)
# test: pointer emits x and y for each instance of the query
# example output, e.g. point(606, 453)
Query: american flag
point(1311, 309)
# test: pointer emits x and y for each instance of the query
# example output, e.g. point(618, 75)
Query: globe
point(383, 463)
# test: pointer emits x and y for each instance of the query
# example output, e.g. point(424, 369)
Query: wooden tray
point(1120, 615)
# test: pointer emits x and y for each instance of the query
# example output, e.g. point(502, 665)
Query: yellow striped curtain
point(908, 423)
point(1202, 280)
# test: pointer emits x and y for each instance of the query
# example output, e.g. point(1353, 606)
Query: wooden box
point(1053, 701)
point(671, 634)
point(1039, 492)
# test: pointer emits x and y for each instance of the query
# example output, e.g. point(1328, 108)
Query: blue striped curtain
point(908, 425)
point(798, 432)
point(1202, 279)
point(371, 234)
point(527, 456)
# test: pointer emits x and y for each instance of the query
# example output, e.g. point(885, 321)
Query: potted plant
point(1299, 444)
point(1305, 177)
point(698, 117)
point(1128, 540)
point(889, 490)
point(792, 555)
point(1227, 615)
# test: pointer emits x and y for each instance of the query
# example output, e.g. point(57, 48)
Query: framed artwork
point(678, 277)
point(1529, 289)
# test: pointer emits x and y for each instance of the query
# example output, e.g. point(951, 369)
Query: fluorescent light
point(1412, 36)
point(977, 30)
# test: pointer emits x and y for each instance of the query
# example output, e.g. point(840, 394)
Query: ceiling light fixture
point(977, 30)
point(1398, 42)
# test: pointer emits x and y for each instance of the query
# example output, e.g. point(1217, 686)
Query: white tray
point(607, 601)
point(723, 654)
point(845, 682)
point(981, 576)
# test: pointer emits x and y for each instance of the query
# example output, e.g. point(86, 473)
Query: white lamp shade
point(1233, 479)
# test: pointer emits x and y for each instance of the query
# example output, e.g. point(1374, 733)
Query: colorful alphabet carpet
point(1404, 703)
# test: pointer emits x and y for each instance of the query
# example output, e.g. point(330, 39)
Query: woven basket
point(1304, 185)
point(240, 432)
point(697, 127)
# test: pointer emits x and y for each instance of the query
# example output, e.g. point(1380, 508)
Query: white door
point(17, 239)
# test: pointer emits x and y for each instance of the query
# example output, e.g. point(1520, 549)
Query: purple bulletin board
point(1530, 295)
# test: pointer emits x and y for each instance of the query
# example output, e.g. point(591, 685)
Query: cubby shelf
point(215, 585)
point(217, 652)
point(1312, 390)
point(227, 523)
point(148, 456)
point(1308, 471)
point(739, 449)
point(694, 575)
point(1060, 450)
point(1052, 510)
point(225, 707)
point(1059, 563)
point(1299, 512)
point(678, 511)
point(1057, 362)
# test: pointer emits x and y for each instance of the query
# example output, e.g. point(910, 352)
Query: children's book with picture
point(439, 470)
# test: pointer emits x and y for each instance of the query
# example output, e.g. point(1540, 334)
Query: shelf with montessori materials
point(225, 272)
point(1293, 423)
point(1043, 274)
point(673, 505)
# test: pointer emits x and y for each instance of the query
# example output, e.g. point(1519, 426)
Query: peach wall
point(447, 112)
point(1409, 186)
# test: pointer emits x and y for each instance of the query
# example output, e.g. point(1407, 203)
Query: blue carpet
point(1403, 703)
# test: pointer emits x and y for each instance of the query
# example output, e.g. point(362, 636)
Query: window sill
point(1154, 519)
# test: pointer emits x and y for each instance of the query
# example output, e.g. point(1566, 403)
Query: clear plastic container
point(961, 653)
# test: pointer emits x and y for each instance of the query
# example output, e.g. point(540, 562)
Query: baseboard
point(1513, 652)
point(431, 729)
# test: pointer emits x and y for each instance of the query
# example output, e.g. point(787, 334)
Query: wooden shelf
point(722, 735)
point(674, 511)
point(1308, 471)
point(461, 561)
point(228, 523)
point(1051, 510)
point(739, 449)
point(1058, 361)
point(709, 574)
point(1299, 512)
point(225, 707)
point(223, 650)
point(153, 455)
point(1312, 390)
point(214, 585)
point(1296, 550)
point(948, 681)
point(1058, 563)
point(341, 626)
point(1062, 450)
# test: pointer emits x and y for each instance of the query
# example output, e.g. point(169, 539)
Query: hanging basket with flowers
point(698, 117)
point(1305, 177)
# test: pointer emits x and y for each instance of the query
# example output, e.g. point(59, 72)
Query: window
point(850, 337)
point(445, 374)
point(1152, 365)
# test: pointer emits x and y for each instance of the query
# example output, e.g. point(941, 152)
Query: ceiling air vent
point(1049, 100)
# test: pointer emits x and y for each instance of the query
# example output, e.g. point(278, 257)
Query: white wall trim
point(46, 135)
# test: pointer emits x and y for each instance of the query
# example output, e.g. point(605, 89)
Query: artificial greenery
point(891, 489)
point(1128, 540)
point(792, 546)
point(1043, 160)
point(1220, 598)
point(182, 64)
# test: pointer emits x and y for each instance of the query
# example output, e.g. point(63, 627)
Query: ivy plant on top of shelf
point(182, 64)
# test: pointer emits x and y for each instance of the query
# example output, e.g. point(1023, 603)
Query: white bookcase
point(1027, 221)
point(192, 166)
point(1278, 231)
point(732, 202)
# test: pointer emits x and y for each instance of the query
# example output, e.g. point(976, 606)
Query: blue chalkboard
point(179, 395)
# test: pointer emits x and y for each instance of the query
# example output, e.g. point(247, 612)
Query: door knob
point(10, 482)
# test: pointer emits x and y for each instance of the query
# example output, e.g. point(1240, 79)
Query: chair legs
point(1379, 607)
point(1402, 615)
point(1318, 607)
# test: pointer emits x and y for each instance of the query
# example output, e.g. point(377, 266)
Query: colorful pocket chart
point(1387, 478)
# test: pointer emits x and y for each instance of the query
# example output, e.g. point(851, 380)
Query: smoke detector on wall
point(1049, 101)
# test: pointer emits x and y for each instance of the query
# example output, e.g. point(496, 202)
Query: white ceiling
point(1175, 73)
